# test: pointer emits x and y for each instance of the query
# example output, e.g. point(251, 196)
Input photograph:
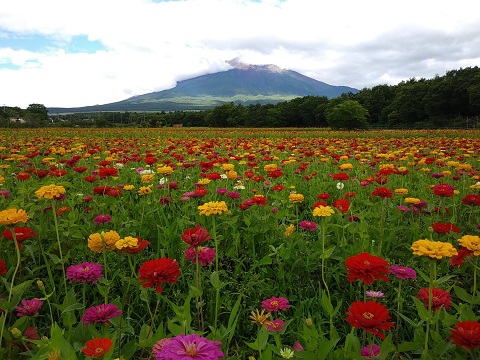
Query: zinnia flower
point(383, 192)
point(13, 216)
point(29, 307)
point(186, 347)
point(159, 346)
point(323, 211)
point(21, 234)
point(296, 198)
point(341, 205)
point(100, 314)
point(85, 272)
point(440, 298)
point(290, 229)
point(444, 228)
point(403, 272)
point(158, 271)
point(195, 236)
point(471, 199)
point(213, 208)
point(374, 294)
point(471, 242)
point(370, 351)
point(275, 325)
point(50, 191)
point(367, 268)
point(308, 225)
point(97, 347)
point(460, 258)
point(433, 249)
point(134, 249)
point(275, 304)
point(101, 219)
point(104, 241)
point(206, 255)
point(261, 318)
point(370, 316)
point(3, 268)
point(443, 190)
point(466, 334)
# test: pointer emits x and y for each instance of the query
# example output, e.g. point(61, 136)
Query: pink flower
point(297, 346)
point(102, 218)
point(160, 345)
point(100, 314)
point(308, 225)
point(276, 325)
point(370, 350)
point(187, 347)
point(275, 304)
point(205, 255)
point(30, 307)
point(403, 272)
point(85, 272)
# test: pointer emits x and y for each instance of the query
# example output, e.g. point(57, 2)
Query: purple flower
point(353, 218)
point(187, 347)
point(102, 218)
point(30, 307)
point(5, 194)
point(222, 191)
point(233, 194)
point(205, 255)
point(368, 351)
point(403, 272)
point(85, 272)
point(420, 205)
point(403, 208)
point(308, 225)
point(437, 176)
point(100, 314)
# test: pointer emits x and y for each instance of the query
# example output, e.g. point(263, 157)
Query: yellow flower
point(290, 230)
point(323, 211)
point(228, 167)
point(270, 167)
point(213, 208)
point(412, 201)
point(232, 175)
point(401, 191)
point(433, 249)
point(261, 318)
point(296, 198)
point(471, 242)
point(2, 179)
point(145, 190)
point(50, 191)
point(203, 181)
point(402, 169)
point(127, 242)
point(165, 170)
point(106, 240)
point(346, 166)
point(128, 187)
point(147, 178)
point(13, 216)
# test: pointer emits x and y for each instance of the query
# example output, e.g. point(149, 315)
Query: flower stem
point(433, 270)
point(59, 246)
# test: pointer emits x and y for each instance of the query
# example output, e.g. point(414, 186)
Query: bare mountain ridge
point(243, 84)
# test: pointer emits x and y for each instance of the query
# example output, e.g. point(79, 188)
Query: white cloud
point(151, 45)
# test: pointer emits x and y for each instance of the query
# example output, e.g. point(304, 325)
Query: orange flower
point(97, 347)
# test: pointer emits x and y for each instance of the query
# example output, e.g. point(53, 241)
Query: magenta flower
point(5, 194)
point(187, 347)
point(275, 304)
point(206, 255)
point(370, 350)
point(403, 272)
point(233, 194)
point(85, 272)
point(308, 225)
point(29, 307)
point(222, 191)
point(403, 208)
point(297, 346)
point(275, 325)
point(100, 314)
point(159, 345)
point(102, 218)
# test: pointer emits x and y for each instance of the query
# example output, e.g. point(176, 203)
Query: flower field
point(183, 243)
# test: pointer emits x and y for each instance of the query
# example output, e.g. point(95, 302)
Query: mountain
point(243, 84)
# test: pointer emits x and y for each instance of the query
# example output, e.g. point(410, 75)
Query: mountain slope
point(244, 84)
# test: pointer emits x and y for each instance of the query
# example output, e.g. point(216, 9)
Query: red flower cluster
point(156, 272)
point(367, 268)
point(370, 316)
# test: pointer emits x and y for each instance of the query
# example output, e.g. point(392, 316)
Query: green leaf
point(328, 253)
point(266, 260)
point(215, 280)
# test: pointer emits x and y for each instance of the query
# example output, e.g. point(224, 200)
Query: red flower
point(195, 236)
point(342, 205)
point(156, 272)
point(319, 203)
point(105, 172)
point(80, 169)
point(97, 347)
point(214, 176)
point(21, 233)
point(90, 178)
point(101, 190)
point(114, 192)
point(443, 190)
point(370, 316)
point(141, 244)
point(466, 334)
point(440, 298)
point(199, 192)
point(471, 199)
point(459, 259)
point(341, 176)
point(275, 173)
point(382, 192)
point(40, 173)
point(278, 187)
point(59, 173)
point(23, 176)
point(367, 268)
point(323, 196)
point(3, 268)
point(444, 228)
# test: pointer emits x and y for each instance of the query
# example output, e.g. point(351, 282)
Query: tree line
point(452, 100)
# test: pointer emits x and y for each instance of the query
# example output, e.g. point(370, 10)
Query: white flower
point(146, 172)
point(162, 181)
point(340, 185)
point(118, 166)
point(286, 353)
point(224, 176)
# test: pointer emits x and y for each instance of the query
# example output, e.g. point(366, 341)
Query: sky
point(73, 53)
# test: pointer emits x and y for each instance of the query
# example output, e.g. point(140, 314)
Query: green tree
point(347, 115)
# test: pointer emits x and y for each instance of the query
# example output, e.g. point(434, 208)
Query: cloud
point(78, 53)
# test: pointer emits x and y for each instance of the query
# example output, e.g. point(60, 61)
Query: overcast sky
point(68, 53)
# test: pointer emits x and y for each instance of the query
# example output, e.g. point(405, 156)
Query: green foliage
point(347, 115)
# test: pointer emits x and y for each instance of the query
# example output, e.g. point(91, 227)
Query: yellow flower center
point(274, 303)
point(368, 315)
point(191, 349)
point(99, 351)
